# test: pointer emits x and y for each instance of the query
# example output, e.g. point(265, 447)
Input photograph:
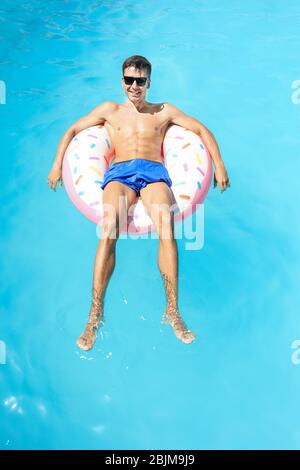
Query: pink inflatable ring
point(89, 154)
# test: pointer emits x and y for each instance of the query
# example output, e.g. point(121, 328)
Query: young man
point(137, 129)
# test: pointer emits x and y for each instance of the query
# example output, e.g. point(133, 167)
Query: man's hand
point(55, 176)
point(221, 177)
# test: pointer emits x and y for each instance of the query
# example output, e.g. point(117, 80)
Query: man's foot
point(180, 329)
point(87, 339)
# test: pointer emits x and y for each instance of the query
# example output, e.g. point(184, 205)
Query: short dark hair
point(139, 62)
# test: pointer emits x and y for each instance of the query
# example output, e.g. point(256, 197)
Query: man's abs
point(137, 135)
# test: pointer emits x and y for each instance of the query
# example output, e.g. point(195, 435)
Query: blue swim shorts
point(137, 173)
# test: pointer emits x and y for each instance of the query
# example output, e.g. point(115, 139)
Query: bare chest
point(123, 124)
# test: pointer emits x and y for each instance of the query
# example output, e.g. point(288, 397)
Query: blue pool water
point(233, 66)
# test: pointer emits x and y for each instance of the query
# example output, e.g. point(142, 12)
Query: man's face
point(134, 92)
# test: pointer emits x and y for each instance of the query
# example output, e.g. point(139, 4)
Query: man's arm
point(97, 116)
point(189, 122)
point(176, 116)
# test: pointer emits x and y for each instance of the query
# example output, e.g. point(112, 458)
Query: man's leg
point(117, 198)
point(158, 198)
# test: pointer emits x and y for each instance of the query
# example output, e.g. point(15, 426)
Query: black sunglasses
point(141, 81)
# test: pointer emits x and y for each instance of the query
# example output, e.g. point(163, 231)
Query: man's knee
point(111, 227)
point(163, 218)
point(114, 219)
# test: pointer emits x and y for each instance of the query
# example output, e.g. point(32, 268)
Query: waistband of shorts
point(134, 159)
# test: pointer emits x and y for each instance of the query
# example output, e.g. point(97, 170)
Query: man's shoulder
point(170, 108)
point(110, 105)
point(169, 105)
point(105, 108)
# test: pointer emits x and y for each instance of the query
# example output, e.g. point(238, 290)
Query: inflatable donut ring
point(90, 153)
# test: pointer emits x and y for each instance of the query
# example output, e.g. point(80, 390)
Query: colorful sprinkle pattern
point(89, 154)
